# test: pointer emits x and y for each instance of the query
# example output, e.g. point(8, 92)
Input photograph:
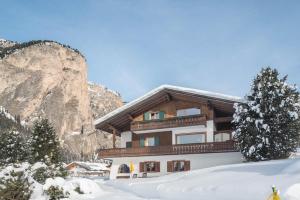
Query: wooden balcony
point(199, 148)
point(169, 123)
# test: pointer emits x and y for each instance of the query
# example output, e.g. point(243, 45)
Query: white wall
point(210, 131)
point(197, 161)
point(125, 137)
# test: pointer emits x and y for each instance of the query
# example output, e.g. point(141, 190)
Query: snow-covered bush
point(14, 183)
point(78, 190)
point(41, 172)
point(13, 148)
point(267, 124)
point(56, 193)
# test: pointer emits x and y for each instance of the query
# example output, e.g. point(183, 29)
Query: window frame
point(147, 141)
point(186, 109)
point(122, 168)
point(143, 167)
point(222, 140)
point(171, 165)
point(155, 113)
point(128, 144)
point(194, 133)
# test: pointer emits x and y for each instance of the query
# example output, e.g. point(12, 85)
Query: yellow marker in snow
point(131, 167)
point(275, 195)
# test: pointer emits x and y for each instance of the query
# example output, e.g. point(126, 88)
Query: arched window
point(124, 169)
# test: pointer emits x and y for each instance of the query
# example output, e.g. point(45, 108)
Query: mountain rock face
point(102, 100)
point(49, 80)
point(9, 122)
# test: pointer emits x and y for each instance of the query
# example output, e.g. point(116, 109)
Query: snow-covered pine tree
point(267, 124)
point(13, 147)
point(44, 143)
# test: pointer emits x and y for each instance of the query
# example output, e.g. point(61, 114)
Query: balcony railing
point(169, 123)
point(198, 148)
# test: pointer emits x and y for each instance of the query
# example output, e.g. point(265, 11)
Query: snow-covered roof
point(92, 166)
point(168, 87)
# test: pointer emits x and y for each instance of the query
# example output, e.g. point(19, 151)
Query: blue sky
point(135, 46)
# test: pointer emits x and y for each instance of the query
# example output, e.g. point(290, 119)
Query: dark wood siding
point(170, 109)
point(142, 167)
point(165, 138)
point(187, 165)
point(170, 166)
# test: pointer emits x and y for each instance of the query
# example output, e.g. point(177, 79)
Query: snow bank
point(293, 192)
point(246, 181)
point(89, 188)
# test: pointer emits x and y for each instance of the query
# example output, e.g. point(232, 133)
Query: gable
point(121, 118)
point(170, 108)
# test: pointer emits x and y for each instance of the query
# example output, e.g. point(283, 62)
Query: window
point(188, 111)
point(128, 144)
point(190, 138)
point(154, 115)
point(150, 166)
point(222, 137)
point(150, 142)
point(178, 165)
point(123, 169)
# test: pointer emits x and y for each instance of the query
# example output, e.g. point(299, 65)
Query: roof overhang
point(120, 118)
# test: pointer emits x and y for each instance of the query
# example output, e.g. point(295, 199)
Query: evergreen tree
point(267, 124)
point(44, 143)
point(13, 148)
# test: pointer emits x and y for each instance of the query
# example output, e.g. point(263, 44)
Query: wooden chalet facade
point(170, 120)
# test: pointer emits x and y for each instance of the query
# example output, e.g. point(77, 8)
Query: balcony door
point(149, 141)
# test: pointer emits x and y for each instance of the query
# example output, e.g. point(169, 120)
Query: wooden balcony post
point(114, 132)
point(114, 138)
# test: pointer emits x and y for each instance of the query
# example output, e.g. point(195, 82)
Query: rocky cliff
point(48, 79)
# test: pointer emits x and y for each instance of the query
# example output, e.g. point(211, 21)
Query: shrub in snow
point(14, 184)
point(42, 173)
point(56, 193)
point(44, 143)
point(78, 190)
point(267, 123)
point(13, 148)
point(54, 188)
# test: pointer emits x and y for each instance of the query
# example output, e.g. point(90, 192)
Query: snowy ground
point(240, 181)
point(246, 181)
